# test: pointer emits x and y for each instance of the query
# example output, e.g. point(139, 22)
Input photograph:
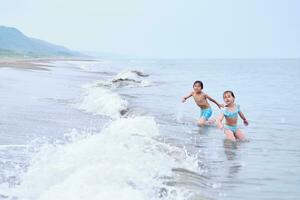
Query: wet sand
point(32, 63)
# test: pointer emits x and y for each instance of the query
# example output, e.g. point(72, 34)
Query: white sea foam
point(131, 78)
point(122, 162)
point(102, 101)
point(99, 97)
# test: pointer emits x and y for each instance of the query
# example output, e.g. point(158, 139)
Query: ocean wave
point(127, 78)
point(102, 101)
point(130, 78)
point(124, 161)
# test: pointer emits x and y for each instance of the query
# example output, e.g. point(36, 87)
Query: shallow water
point(104, 130)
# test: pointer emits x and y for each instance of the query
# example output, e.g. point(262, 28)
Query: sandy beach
point(34, 63)
point(23, 64)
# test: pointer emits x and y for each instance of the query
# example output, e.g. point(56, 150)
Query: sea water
point(116, 129)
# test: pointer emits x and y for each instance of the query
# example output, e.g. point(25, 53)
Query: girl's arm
point(212, 100)
point(186, 97)
point(219, 121)
point(241, 114)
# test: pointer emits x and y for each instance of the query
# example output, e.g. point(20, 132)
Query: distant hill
point(14, 42)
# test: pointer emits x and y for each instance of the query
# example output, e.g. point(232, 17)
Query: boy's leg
point(229, 135)
point(239, 134)
point(202, 122)
point(204, 118)
point(211, 121)
point(207, 115)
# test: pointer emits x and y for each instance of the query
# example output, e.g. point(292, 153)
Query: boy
point(201, 100)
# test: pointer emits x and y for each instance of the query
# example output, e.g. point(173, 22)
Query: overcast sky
point(163, 28)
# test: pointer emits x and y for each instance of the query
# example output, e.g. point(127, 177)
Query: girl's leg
point(240, 135)
point(229, 135)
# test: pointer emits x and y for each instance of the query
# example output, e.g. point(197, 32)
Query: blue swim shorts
point(206, 113)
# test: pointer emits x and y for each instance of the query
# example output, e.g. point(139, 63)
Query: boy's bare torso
point(201, 100)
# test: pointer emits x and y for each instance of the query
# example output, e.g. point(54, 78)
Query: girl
point(231, 112)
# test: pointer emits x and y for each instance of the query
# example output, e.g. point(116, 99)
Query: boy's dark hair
point(230, 92)
point(198, 82)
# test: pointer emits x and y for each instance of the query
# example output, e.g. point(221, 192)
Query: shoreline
point(35, 63)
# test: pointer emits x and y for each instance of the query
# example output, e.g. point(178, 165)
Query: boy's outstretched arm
point(219, 121)
point(186, 97)
point(243, 118)
point(212, 100)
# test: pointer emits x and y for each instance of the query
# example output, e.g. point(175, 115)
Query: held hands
point(220, 125)
point(221, 106)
